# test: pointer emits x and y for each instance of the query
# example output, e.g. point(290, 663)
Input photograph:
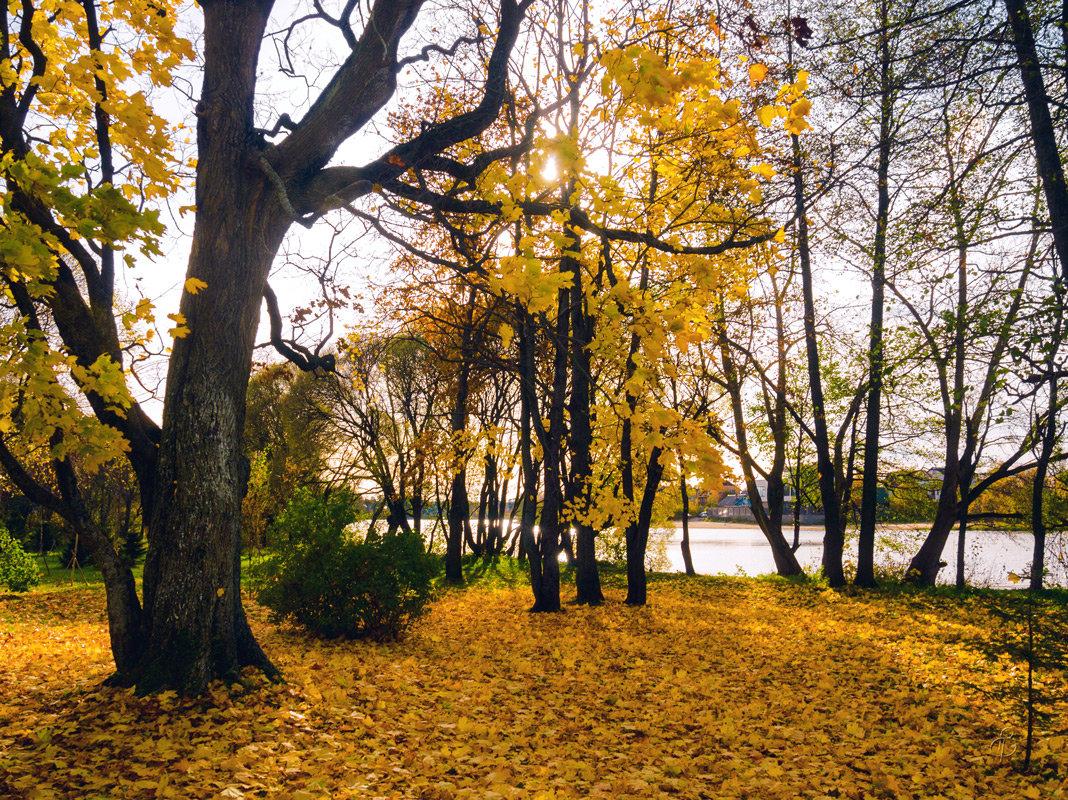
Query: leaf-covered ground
point(721, 688)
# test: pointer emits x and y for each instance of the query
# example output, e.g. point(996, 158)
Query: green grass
point(55, 576)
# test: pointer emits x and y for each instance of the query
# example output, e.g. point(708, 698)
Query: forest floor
point(725, 688)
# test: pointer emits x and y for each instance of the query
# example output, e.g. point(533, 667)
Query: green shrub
point(337, 585)
point(18, 572)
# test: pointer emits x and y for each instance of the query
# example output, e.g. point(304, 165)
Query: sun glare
point(550, 172)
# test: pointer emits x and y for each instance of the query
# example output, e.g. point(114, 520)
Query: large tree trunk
point(192, 474)
point(195, 626)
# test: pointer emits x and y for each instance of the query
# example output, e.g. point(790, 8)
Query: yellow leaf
point(180, 329)
point(768, 115)
point(194, 285)
point(506, 332)
point(757, 73)
point(800, 108)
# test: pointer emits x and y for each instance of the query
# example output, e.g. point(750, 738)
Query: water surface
point(989, 555)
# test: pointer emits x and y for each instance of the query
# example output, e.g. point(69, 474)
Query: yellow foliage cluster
point(86, 107)
point(722, 688)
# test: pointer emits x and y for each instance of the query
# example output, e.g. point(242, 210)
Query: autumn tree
point(790, 42)
point(286, 441)
point(639, 249)
point(754, 362)
point(82, 159)
point(377, 410)
point(66, 217)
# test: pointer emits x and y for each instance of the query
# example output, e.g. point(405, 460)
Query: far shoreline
point(788, 526)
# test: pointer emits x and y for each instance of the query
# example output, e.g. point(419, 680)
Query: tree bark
point(528, 407)
point(865, 575)
point(834, 534)
point(194, 622)
point(459, 506)
point(552, 463)
point(1043, 134)
point(962, 531)
point(587, 578)
point(637, 534)
point(684, 490)
point(1038, 519)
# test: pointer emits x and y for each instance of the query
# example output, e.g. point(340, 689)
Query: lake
point(989, 555)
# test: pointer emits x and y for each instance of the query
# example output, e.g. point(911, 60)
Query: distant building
point(762, 489)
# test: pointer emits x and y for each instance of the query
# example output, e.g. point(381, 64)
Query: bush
point(17, 569)
point(336, 585)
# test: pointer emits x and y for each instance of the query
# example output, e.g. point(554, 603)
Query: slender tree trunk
point(1038, 519)
point(684, 490)
point(959, 471)
point(834, 533)
point(417, 512)
point(925, 565)
point(869, 501)
point(637, 533)
point(459, 527)
point(1051, 172)
point(797, 498)
point(528, 407)
point(587, 579)
point(769, 516)
point(834, 529)
point(459, 506)
point(552, 449)
point(1043, 134)
point(962, 533)
point(123, 605)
